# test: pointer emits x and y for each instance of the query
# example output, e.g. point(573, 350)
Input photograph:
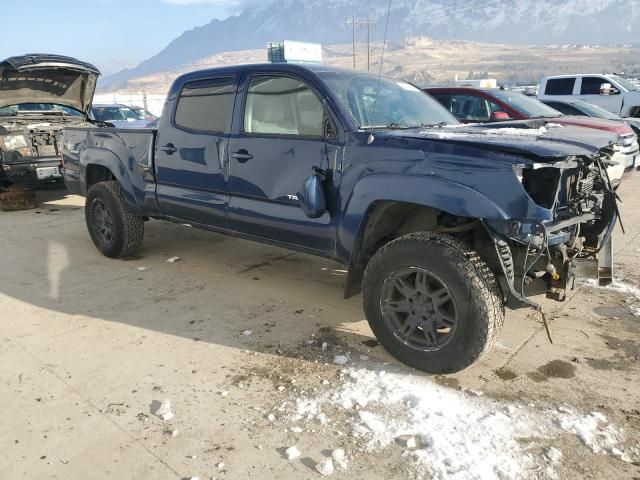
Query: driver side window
point(282, 106)
point(591, 85)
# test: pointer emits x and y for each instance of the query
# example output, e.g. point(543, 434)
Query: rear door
point(591, 91)
point(191, 150)
point(561, 89)
point(280, 138)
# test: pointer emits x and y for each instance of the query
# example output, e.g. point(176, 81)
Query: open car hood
point(45, 78)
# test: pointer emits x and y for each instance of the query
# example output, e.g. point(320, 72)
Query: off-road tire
point(472, 285)
point(127, 228)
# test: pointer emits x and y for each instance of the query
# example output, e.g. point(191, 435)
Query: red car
point(478, 105)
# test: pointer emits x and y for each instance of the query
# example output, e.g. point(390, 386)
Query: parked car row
point(475, 105)
point(441, 225)
point(122, 116)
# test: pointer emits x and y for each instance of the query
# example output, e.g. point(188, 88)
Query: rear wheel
point(432, 302)
point(115, 231)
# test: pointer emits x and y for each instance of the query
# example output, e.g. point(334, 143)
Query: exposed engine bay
point(579, 193)
point(30, 149)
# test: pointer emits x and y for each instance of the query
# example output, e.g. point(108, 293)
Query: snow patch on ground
point(630, 291)
point(591, 428)
point(456, 435)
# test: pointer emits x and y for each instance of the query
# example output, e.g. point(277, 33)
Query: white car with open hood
point(40, 94)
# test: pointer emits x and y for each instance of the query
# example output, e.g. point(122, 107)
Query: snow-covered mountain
point(325, 21)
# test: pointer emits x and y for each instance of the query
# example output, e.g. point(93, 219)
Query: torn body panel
point(584, 207)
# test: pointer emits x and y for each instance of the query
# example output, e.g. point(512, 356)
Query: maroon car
point(480, 105)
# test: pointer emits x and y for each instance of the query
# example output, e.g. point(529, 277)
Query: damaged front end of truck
point(572, 237)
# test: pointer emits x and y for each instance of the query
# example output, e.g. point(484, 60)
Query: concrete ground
point(233, 331)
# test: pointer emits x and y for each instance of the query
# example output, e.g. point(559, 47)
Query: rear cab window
point(560, 86)
point(206, 106)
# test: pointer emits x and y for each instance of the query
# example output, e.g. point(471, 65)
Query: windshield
point(399, 104)
point(107, 114)
point(596, 111)
point(42, 108)
point(624, 83)
point(528, 106)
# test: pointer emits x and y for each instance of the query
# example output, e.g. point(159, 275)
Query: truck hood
point(44, 78)
point(537, 138)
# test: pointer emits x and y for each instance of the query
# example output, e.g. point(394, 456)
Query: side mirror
point(311, 198)
point(499, 116)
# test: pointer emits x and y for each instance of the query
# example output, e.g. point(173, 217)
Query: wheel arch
point(443, 206)
point(100, 165)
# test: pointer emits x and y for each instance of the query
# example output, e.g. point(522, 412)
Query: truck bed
point(130, 149)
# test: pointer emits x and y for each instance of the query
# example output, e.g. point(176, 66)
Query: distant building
point(291, 51)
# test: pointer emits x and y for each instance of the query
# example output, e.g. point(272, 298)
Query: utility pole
point(353, 44)
point(368, 44)
point(354, 23)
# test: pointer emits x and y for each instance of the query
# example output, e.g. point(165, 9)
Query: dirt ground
point(238, 336)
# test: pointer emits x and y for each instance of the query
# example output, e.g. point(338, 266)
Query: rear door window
point(206, 105)
point(591, 85)
point(560, 86)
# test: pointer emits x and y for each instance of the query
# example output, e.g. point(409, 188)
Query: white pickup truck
point(610, 92)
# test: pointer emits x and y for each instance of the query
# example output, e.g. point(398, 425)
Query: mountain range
point(325, 21)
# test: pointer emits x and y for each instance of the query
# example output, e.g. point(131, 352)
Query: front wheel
point(432, 302)
point(115, 231)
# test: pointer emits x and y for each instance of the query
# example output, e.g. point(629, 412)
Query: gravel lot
point(243, 339)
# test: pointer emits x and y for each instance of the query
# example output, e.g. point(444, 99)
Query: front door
point(590, 91)
point(191, 152)
point(281, 139)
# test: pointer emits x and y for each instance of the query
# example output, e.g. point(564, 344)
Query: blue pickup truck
point(441, 225)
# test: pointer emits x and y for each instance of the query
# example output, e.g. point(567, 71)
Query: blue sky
point(111, 34)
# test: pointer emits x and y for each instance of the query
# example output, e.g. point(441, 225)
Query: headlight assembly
point(17, 143)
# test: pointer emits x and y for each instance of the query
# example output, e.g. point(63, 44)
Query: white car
point(611, 92)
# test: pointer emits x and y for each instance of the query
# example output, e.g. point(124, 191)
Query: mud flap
point(600, 269)
point(605, 263)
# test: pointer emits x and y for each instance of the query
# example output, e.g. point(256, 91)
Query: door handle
point(242, 155)
point(169, 148)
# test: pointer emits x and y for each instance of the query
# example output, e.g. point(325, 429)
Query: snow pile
point(457, 435)
point(450, 433)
